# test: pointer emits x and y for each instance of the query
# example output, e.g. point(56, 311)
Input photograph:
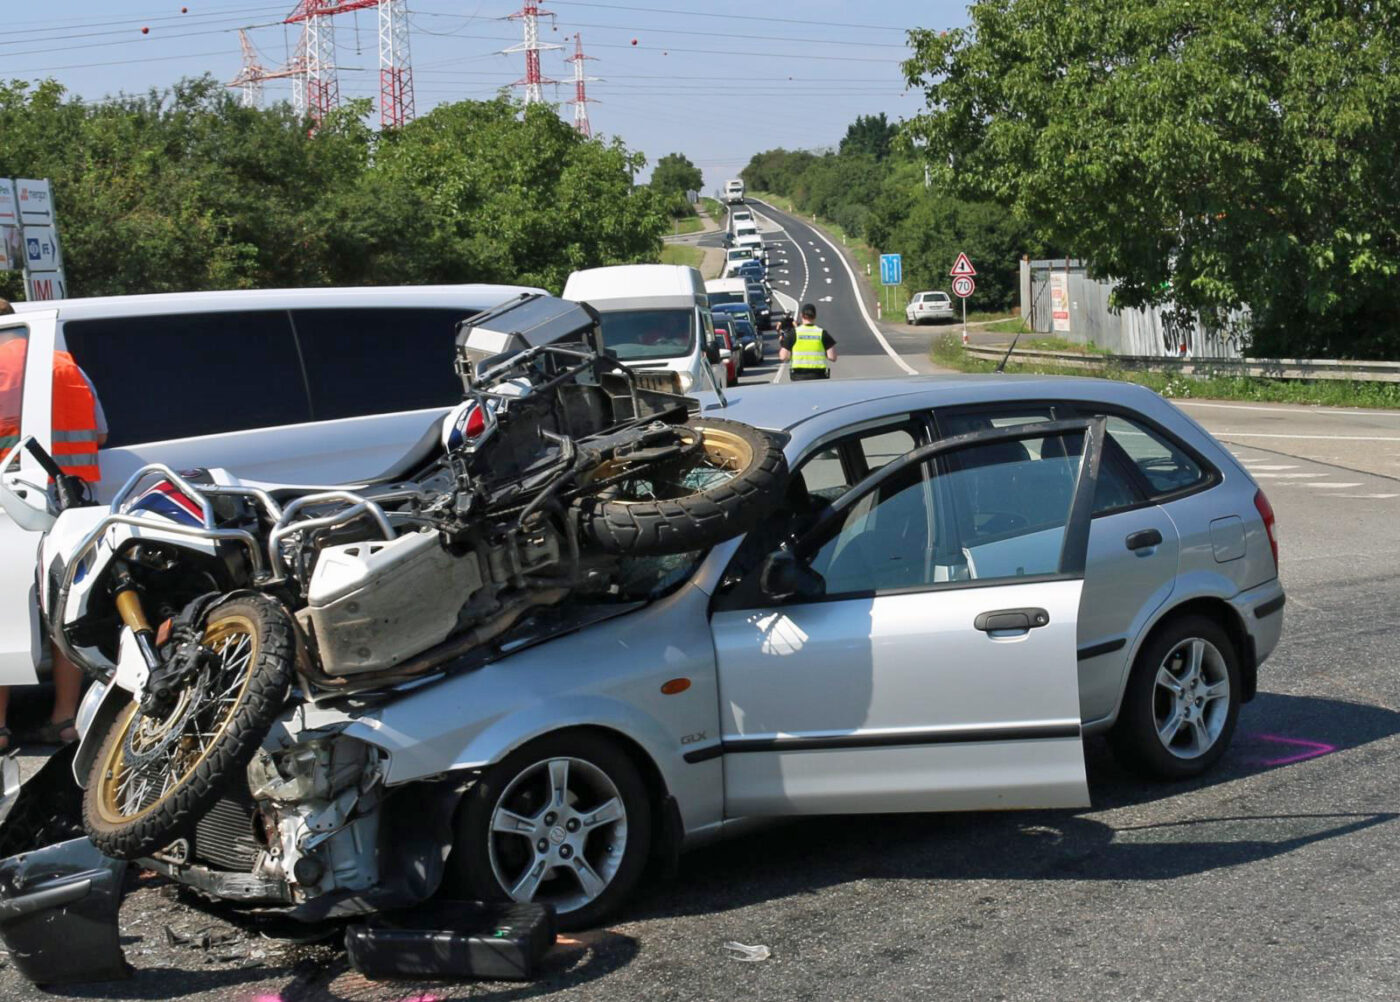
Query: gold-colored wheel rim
point(128, 792)
point(725, 454)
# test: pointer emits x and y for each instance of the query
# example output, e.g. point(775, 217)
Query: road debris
point(747, 954)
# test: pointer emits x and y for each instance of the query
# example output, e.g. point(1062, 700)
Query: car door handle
point(1011, 619)
point(1143, 538)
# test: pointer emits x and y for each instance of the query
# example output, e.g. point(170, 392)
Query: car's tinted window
point(1165, 467)
point(180, 376)
point(378, 361)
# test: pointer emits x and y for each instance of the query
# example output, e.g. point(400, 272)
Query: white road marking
point(1286, 476)
point(828, 281)
point(1333, 438)
point(1368, 496)
point(1333, 486)
point(1252, 469)
point(1287, 410)
point(826, 269)
point(860, 302)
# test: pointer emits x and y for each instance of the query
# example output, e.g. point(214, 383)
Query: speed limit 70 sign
point(963, 286)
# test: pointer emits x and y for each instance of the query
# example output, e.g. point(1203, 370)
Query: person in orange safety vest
point(79, 429)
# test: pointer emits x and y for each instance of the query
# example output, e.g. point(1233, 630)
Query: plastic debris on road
point(747, 954)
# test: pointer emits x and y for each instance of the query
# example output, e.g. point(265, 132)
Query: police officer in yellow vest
point(809, 349)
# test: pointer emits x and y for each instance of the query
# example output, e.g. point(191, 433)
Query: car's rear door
point(930, 662)
point(26, 407)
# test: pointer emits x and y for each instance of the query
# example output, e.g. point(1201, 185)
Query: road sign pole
point(964, 302)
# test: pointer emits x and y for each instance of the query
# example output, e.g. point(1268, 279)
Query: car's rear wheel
point(1182, 701)
point(565, 820)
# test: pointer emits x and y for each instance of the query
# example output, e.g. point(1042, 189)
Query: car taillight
point(1266, 512)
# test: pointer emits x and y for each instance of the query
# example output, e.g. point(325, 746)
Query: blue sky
point(717, 82)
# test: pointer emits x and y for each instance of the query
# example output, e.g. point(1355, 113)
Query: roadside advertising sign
point(41, 249)
point(963, 286)
point(1059, 301)
point(43, 285)
point(9, 207)
point(35, 202)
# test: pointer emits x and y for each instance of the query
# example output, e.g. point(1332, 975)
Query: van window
point(721, 298)
point(378, 361)
point(190, 374)
point(632, 335)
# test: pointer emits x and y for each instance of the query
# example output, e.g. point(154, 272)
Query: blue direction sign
point(891, 269)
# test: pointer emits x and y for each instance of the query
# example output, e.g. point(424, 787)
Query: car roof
point(633, 281)
point(787, 406)
point(472, 296)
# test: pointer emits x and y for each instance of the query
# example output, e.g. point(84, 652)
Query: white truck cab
point(734, 191)
point(655, 316)
point(320, 386)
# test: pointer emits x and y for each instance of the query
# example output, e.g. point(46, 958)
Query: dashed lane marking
point(1285, 476)
point(1374, 497)
point(1330, 486)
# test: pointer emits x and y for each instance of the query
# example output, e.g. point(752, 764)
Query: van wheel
point(565, 821)
point(1182, 701)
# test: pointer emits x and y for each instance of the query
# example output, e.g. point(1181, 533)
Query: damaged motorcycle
point(249, 638)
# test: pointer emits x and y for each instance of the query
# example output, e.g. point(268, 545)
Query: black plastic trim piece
point(704, 754)
point(1270, 607)
point(834, 742)
point(1107, 647)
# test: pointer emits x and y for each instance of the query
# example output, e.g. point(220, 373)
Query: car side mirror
point(725, 354)
point(712, 354)
point(783, 576)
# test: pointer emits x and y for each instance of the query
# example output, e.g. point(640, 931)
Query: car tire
point(485, 859)
point(1166, 693)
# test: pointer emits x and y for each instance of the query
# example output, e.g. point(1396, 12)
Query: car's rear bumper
point(1261, 611)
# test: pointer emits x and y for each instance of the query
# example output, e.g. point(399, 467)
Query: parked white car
point(927, 307)
point(323, 385)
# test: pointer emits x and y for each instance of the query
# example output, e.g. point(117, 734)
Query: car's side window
point(1163, 465)
point(993, 511)
point(836, 467)
point(378, 361)
point(184, 375)
point(1115, 488)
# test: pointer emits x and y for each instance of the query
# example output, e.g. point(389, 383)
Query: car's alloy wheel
point(1191, 698)
point(1181, 702)
point(565, 821)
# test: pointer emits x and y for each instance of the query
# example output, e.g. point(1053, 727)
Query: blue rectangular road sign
point(891, 269)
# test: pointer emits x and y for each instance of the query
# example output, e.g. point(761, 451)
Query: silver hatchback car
point(969, 576)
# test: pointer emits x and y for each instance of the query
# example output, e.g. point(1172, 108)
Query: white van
point(321, 386)
point(734, 191)
point(655, 316)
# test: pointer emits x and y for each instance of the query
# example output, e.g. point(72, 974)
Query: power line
point(737, 17)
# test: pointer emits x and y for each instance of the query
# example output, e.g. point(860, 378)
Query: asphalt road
point(1276, 876)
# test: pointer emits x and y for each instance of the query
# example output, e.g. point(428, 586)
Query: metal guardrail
point(1268, 368)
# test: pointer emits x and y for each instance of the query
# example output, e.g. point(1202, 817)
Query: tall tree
point(870, 135)
point(674, 173)
point(1236, 153)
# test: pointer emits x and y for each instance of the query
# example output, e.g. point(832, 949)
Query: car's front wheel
point(565, 820)
point(1182, 701)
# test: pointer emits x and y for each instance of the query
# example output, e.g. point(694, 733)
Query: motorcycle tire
point(132, 810)
point(676, 517)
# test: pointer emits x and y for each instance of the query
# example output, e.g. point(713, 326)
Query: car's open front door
point(915, 648)
point(26, 395)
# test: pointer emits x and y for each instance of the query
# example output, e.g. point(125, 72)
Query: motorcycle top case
point(455, 939)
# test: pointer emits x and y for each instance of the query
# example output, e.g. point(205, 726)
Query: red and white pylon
point(395, 70)
point(318, 82)
point(533, 80)
point(581, 99)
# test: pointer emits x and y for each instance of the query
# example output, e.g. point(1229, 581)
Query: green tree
point(1242, 151)
point(870, 135)
point(674, 173)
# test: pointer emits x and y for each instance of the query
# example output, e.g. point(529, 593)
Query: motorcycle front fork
point(128, 601)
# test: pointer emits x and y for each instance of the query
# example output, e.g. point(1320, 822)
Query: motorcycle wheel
point(153, 778)
point(737, 477)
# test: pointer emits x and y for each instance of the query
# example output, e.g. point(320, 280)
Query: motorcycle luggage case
point(454, 939)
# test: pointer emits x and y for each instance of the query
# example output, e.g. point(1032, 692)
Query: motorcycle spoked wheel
point(154, 777)
point(735, 478)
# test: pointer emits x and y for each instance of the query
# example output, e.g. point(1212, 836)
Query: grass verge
point(714, 210)
point(688, 224)
point(947, 351)
point(682, 254)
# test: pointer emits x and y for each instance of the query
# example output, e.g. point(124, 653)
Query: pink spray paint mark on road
point(1310, 749)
